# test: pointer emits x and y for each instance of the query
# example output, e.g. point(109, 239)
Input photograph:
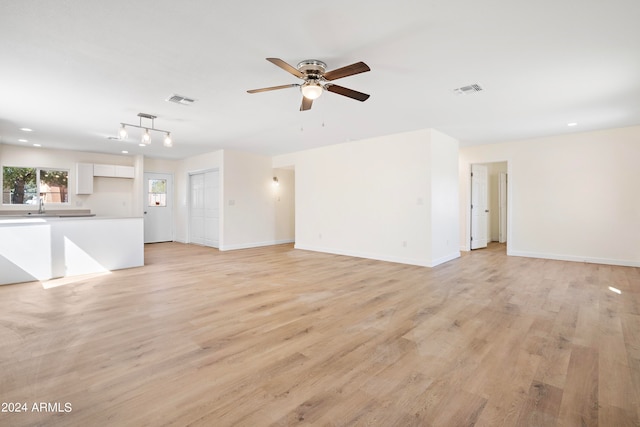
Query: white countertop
point(22, 219)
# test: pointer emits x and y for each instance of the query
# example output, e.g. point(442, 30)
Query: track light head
point(146, 137)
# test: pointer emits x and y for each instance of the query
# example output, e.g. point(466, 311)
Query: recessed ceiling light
point(26, 130)
point(142, 145)
point(572, 124)
point(124, 152)
point(23, 140)
point(37, 145)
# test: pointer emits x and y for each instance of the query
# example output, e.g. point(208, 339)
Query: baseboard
point(574, 258)
point(254, 245)
point(378, 257)
point(444, 259)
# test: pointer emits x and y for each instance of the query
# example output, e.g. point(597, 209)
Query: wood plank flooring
point(275, 336)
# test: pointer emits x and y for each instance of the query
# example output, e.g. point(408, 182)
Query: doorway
point(204, 208)
point(158, 207)
point(489, 189)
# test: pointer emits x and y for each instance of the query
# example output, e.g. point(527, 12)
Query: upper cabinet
point(113, 171)
point(86, 171)
point(84, 178)
point(125, 172)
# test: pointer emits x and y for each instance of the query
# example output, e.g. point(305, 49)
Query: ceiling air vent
point(182, 100)
point(467, 90)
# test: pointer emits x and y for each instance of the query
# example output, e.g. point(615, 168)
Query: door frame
point(170, 203)
point(465, 200)
point(503, 199)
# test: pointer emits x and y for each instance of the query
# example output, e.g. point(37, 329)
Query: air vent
point(182, 100)
point(467, 90)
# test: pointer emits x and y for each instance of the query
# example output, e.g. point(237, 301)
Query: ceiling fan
point(316, 79)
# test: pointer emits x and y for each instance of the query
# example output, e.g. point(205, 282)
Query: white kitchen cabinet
point(104, 170)
point(113, 171)
point(84, 178)
point(125, 172)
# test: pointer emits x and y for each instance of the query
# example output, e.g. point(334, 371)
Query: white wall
point(391, 198)
point(249, 211)
point(111, 196)
point(571, 197)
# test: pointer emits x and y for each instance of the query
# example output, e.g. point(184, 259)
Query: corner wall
point(571, 197)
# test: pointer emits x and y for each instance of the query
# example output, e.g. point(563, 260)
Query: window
point(158, 192)
point(22, 186)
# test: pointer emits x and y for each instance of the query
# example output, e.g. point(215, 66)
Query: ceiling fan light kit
point(316, 80)
point(311, 90)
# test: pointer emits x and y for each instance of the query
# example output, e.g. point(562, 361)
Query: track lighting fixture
point(146, 136)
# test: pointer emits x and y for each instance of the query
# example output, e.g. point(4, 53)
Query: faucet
point(40, 205)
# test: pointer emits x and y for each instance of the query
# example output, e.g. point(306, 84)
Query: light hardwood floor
point(278, 336)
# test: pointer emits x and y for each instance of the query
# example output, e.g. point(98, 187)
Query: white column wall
point(445, 199)
point(375, 198)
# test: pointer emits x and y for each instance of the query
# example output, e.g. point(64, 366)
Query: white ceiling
point(72, 70)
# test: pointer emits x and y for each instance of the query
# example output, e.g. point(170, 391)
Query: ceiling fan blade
point(266, 89)
point(288, 68)
point(349, 70)
point(306, 104)
point(347, 92)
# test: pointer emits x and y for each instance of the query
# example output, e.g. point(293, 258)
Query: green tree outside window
point(24, 185)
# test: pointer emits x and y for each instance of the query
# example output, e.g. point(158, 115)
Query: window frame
point(39, 185)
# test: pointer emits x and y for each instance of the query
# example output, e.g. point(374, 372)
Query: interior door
point(479, 206)
point(204, 210)
point(158, 207)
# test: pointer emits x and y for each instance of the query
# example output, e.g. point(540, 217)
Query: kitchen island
point(40, 248)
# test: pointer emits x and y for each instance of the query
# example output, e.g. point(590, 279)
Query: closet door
point(204, 209)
